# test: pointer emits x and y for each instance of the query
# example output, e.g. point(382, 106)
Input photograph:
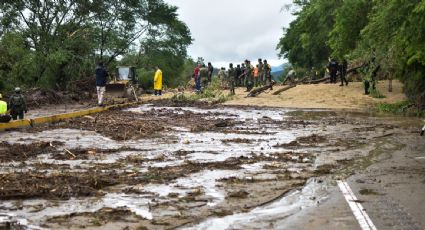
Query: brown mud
point(246, 163)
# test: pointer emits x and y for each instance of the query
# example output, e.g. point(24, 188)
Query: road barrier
point(60, 117)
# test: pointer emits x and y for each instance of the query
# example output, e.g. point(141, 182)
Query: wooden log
point(319, 80)
point(284, 89)
point(259, 90)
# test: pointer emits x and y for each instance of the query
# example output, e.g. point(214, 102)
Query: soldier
point(222, 77)
point(261, 72)
point(232, 76)
point(343, 72)
point(333, 69)
point(17, 105)
point(249, 81)
point(238, 73)
point(203, 73)
point(370, 72)
point(210, 72)
point(313, 74)
point(290, 77)
point(242, 76)
point(267, 74)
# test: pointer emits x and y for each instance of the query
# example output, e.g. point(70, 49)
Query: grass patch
point(375, 93)
point(404, 108)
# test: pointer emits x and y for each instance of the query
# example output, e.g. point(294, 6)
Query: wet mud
point(172, 164)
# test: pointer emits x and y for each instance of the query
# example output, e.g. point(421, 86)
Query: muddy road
point(167, 166)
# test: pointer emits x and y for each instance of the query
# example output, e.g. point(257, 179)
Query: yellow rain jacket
point(3, 107)
point(157, 80)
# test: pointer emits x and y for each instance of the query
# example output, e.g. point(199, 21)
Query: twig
point(70, 153)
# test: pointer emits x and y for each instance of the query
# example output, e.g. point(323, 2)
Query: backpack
point(17, 102)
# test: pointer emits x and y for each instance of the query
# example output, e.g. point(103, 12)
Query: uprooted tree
point(52, 42)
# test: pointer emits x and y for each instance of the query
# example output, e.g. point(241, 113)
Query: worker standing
point(17, 105)
point(203, 73)
point(238, 73)
point(197, 78)
point(261, 72)
point(101, 78)
point(249, 81)
point(4, 117)
point(333, 69)
point(256, 76)
point(242, 76)
point(210, 72)
point(158, 82)
point(222, 77)
point(232, 75)
point(267, 74)
point(343, 72)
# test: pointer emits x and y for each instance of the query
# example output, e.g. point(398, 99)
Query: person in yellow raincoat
point(157, 86)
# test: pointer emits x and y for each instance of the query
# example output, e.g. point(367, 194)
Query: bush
point(405, 108)
point(146, 78)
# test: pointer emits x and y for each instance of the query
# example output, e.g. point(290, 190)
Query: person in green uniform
point(17, 105)
point(232, 77)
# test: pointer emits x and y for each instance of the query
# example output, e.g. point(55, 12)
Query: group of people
point(243, 75)
point(16, 108)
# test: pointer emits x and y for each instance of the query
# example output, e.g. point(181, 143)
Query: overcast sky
point(234, 30)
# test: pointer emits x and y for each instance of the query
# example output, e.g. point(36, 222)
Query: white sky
point(227, 31)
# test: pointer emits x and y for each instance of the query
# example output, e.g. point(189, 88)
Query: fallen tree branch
point(259, 90)
point(284, 89)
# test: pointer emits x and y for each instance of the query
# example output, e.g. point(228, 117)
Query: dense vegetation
point(393, 31)
point(51, 43)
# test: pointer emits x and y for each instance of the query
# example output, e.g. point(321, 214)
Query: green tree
point(66, 37)
point(305, 42)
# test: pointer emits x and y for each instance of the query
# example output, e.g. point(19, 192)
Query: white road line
point(357, 209)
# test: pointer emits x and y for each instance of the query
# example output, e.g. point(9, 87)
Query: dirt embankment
point(323, 96)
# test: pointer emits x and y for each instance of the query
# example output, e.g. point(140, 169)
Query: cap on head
point(17, 90)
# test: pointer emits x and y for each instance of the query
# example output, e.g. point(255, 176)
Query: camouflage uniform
point(232, 77)
point(249, 79)
point(223, 78)
point(203, 74)
point(267, 74)
point(261, 77)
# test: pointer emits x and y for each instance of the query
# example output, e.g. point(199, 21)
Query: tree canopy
point(391, 30)
point(52, 42)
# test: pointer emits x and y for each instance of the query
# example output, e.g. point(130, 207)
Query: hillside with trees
point(392, 31)
point(52, 44)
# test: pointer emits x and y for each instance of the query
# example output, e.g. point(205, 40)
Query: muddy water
point(233, 167)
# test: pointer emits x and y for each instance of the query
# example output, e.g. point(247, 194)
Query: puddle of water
point(207, 180)
point(261, 217)
point(247, 114)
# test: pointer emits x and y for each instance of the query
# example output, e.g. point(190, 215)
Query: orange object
point(255, 72)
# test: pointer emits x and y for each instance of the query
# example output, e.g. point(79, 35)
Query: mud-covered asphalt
point(174, 165)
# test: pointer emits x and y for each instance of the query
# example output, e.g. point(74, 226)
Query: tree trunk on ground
point(283, 89)
point(259, 90)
